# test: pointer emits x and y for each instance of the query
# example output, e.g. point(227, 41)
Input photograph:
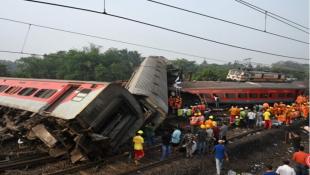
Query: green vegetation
point(89, 64)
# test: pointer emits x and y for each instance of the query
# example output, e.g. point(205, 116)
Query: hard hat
point(246, 107)
point(237, 116)
point(140, 132)
point(288, 106)
point(241, 108)
point(211, 117)
point(293, 110)
point(214, 123)
point(199, 113)
point(195, 114)
point(202, 126)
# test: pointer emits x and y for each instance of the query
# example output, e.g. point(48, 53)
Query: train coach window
point(253, 95)
point(230, 95)
point(242, 95)
point(3, 87)
point(81, 95)
point(45, 93)
point(281, 95)
point(290, 95)
point(264, 95)
point(13, 90)
point(27, 91)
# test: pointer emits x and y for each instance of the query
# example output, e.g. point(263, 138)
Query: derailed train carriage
point(84, 119)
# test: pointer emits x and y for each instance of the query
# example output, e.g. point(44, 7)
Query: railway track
point(114, 165)
point(119, 164)
point(26, 161)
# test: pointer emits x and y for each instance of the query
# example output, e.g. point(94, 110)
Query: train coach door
point(68, 90)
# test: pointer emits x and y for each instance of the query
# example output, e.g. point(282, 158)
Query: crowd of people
point(206, 134)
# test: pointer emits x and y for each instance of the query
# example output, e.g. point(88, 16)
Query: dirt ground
point(247, 156)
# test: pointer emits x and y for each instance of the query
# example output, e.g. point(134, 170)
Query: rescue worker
point(223, 131)
point(202, 107)
point(220, 154)
point(242, 117)
point(237, 122)
point(176, 138)
point(233, 113)
point(194, 123)
point(138, 146)
point(267, 119)
point(259, 118)
point(201, 140)
point(210, 138)
point(299, 157)
point(251, 119)
point(150, 133)
point(166, 145)
point(209, 122)
point(189, 141)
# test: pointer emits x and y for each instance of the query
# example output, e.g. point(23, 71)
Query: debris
point(42, 133)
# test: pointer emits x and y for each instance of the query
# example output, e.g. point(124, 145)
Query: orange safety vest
point(209, 122)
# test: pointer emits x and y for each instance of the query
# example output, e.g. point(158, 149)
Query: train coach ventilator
point(106, 122)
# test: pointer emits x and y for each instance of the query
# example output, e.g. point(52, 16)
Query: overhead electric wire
point(227, 21)
point(274, 14)
point(167, 29)
point(268, 14)
point(109, 39)
point(19, 52)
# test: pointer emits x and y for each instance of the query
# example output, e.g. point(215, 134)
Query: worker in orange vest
point(194, 123)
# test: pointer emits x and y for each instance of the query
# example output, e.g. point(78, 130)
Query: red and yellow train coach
point(69, 115)
point(243, 92)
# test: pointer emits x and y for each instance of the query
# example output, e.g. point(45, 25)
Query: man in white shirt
point(285, 169)
point(251, 119)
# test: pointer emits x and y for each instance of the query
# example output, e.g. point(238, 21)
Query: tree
point(3, 70)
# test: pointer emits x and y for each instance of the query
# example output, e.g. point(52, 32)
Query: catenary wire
point(113, 40)
point(227, 21)
point(168, 29)
point(275, 14)
point(274, 17)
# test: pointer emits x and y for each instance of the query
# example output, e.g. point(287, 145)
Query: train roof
point(243, 85)
point(53, 80)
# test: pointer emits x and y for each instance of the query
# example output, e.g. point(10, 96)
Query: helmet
point(199, 113)
point(246, 107)
point(241, 109)
point(211, 117)
point(237, 117)
point(140, 132)
point(214, 123)
point(202, 126)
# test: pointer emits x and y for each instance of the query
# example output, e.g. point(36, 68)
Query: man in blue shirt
point(175, 138)
point(220, 154)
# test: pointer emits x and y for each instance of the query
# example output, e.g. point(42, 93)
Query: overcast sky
point(43, 41)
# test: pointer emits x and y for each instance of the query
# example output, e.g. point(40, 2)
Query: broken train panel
point(85, 119)
point(149, 84)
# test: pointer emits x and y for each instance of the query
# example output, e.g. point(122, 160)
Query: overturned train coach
point(83, 118)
